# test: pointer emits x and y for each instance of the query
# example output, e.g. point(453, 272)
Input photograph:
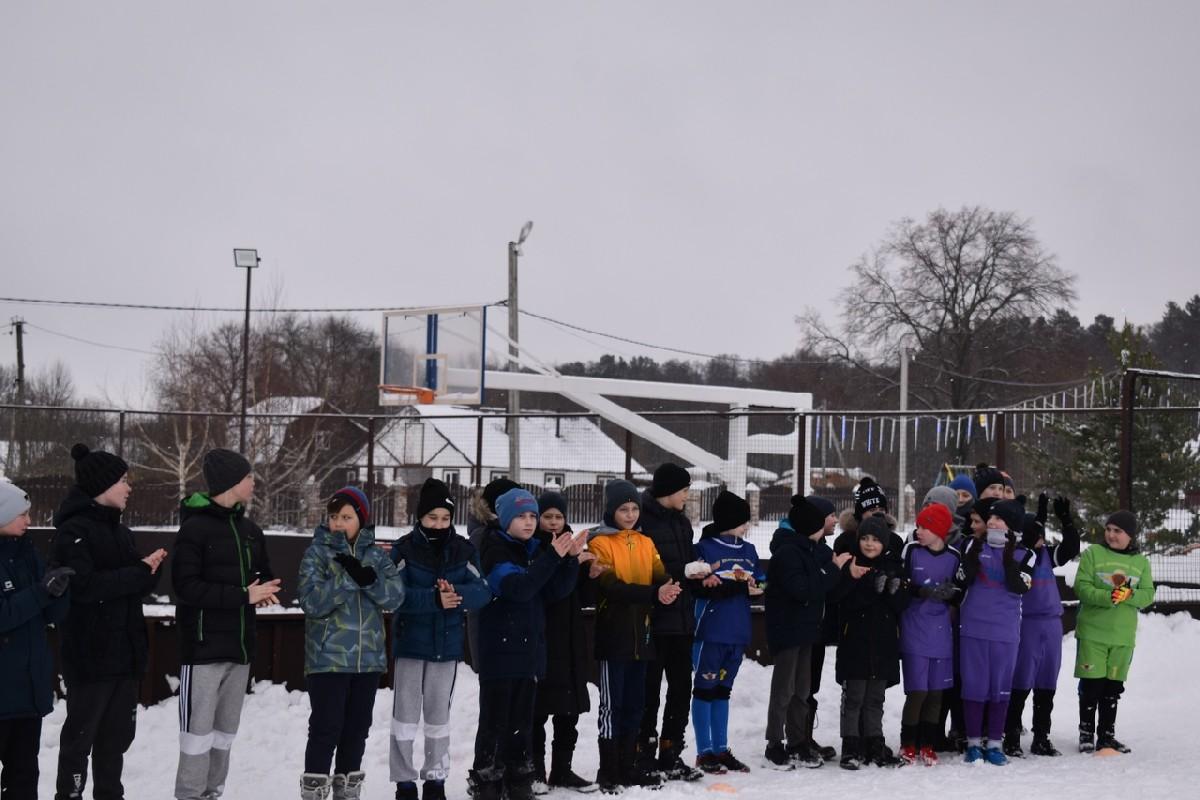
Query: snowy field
point(1157, 719)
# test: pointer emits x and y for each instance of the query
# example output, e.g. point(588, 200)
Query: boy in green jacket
point(1113, 584)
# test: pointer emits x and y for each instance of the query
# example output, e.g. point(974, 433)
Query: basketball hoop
point(408, 395)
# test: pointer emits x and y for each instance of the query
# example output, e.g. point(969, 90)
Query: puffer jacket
point(672, 534)
point(218, 553)
point(343, 625)
point(26, 667)
point(869, 622)
point(626, 594)
point(104, 635)
point(421, 629)
point(799, 575)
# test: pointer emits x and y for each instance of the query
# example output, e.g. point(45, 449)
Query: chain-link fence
point(301, 458)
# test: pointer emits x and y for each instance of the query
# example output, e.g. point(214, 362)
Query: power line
point(89, 341)
point(997, 381)
point(218, 309)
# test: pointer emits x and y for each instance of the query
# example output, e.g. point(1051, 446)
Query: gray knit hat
point(13, 502)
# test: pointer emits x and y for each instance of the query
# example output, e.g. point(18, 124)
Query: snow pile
point(1157, 719)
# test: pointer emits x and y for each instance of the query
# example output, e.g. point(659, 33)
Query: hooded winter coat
point(343, 622)
point(626, 593)
point(799, 575)
point(26, 666)
point(218, 553)
point(421, 629)
point(869, 622)
point(104, 634)
point(564, 689)
point(672, 534)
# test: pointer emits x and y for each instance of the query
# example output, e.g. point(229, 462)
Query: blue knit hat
point(513, 504)
point(357, 500)
point(963, 483)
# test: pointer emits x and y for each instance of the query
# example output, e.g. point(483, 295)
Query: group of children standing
point(966, 614)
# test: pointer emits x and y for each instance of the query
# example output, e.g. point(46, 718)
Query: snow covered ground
point(1157, 719)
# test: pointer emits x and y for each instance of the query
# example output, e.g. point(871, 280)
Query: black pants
point(504, 730)
point(19, 743)
point(342, 705)
point(814, 686)
point(622, 698)
point(673, 658)
point(101, 722)
point(566, 734)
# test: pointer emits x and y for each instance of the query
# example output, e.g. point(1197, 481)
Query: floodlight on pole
point(245, 258)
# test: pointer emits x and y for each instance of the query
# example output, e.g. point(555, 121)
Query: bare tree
point(951, 287)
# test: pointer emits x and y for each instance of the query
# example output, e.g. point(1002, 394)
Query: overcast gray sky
point(697, 172)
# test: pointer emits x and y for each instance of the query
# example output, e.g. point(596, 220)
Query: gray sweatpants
point(788, 709)
point(862, 708)
point(210, 707)
point(421, 687)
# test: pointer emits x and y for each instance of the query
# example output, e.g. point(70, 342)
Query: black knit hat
point(877, 527)
point(1126, 521)
point(668, 479)
point(804, 517)
point(548, 500)
point(729, 511)
point(985, 476)
point(824, 505)
point(1013, 514)
point(223, 470)
point(95, 470)
point(434, 494)
point(617, 494)
point(867, 496)
point(492, 492)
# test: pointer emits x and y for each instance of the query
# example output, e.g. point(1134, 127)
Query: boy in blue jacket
point(442, 582)
point(31, 597)
point(722, 627)
point(524, 575)
point(802, 570)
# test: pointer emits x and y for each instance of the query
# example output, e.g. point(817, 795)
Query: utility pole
point(18, 326)
point(514, 397)
point(247, 259)
point(901, 500)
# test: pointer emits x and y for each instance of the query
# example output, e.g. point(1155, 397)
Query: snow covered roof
point(290, 405)
point(420, 436)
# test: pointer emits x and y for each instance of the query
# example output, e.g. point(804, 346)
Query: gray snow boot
point(313, 786)
point(348, 786)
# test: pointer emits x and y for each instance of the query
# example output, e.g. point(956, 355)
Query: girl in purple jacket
point(995, 573)
point(1040, 654)
point(927, 634)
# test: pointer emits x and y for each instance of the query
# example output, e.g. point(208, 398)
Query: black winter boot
point(879, 754)
point(561, 774)
point(1087, 723)
point(485, 784)
point(519, 785)
point(1105, 730)
point(1012, 724)
point(671, 764)
point(851, 753)
point(608, 777)
point(630, 766)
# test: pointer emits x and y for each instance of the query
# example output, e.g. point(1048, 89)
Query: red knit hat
point(936, 519)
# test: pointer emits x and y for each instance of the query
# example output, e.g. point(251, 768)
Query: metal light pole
point(514, 397)
point(902, 499)
point(247, 259)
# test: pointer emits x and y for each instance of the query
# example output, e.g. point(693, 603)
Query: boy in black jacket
point(104, 637)
point(801, 571)
point(524, 575)
point(31, 597)
point(221, 573)
point(664, 521)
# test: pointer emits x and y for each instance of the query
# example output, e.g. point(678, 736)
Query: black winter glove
point(881, 580)
point(944, 591)
point(893, 584)
point(364, 576)
point(1062, 510)
point(1010, 547)
point(56, 580)
point(1043, 503)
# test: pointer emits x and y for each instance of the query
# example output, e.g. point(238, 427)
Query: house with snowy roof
point(443, 442)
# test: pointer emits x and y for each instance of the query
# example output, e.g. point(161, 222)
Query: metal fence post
point(1125, 459)
point(370, 454)
point(628, 455)
point(1001, 435)
point(121, 434)
point(799, 479)
point(479, 450)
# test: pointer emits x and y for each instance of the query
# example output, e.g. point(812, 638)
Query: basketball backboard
point(433, 355)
